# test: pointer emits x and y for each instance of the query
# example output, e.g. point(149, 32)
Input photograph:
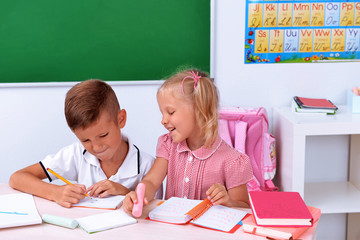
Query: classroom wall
point(33, 125)
point(272, 85)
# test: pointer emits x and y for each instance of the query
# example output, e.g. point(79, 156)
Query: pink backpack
point(246, 129)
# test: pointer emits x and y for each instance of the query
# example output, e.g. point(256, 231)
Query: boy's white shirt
point(73, 164)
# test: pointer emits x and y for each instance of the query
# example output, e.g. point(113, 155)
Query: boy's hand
point(70, 194)
point(218, 194)
point(105, 188)
point(129, 201)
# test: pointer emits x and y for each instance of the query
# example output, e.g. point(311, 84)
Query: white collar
point(128, 168)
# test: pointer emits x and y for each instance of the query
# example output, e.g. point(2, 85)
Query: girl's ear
point(121, 118)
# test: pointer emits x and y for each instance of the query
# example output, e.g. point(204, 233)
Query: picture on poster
point(302, 31)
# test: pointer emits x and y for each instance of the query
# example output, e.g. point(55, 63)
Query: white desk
point(144, 229)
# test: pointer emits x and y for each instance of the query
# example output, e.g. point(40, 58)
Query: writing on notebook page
point(110, 202)
point(18, 209)
point(181, 211)
point(18, 213)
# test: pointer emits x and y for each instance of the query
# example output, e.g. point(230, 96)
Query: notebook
point(250, 226)
point(109, 203)
point(279, 209)
point(314, 103)
point(18, 209)
point(202, 213)
point(105, 221)
point(295, 107)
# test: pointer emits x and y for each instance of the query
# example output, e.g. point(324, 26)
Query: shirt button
point(190, 158)
point(185, 197)
point(186, 179)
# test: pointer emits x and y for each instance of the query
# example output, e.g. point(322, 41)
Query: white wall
point(271, 85)
point(33, 123)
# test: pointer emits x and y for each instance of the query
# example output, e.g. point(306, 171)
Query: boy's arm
point(29, 180)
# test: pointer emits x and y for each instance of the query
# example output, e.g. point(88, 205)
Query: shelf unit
point(291, 131)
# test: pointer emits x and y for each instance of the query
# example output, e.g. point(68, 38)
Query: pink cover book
point(279, 209)
point(250, 226)
point(316, 102)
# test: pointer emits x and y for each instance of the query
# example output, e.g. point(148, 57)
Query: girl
point(197, 162)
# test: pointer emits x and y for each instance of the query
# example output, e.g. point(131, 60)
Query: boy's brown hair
point(85, 102)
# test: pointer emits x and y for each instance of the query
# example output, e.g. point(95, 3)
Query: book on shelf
point(202, 213)
point(279, 209)
point(315, 103)
point(104, 221)
point(250, 226)
point(295, 107)
point(18, 209)
point(108, 203)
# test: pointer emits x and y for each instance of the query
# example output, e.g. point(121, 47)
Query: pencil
point(61, 178)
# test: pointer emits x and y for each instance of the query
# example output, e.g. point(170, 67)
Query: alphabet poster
point(302, 31)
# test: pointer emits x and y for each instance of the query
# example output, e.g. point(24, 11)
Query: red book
point(250, 226)
point(314, 103)
point(279, 209)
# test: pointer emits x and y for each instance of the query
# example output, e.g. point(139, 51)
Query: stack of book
point(279, 215)
point(313, 105)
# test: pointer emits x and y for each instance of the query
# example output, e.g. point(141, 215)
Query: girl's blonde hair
point(203, 95)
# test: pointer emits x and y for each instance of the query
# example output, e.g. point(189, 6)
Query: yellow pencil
point(61, 178)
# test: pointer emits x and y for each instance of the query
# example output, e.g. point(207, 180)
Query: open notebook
point(109, 203)
point(202, 213)
point(18, 209)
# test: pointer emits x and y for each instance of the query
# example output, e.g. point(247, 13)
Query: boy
point(105, 163)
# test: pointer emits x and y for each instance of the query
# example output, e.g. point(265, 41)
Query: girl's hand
point(218, 194)
point(130, 200)
point(105, 188)
point(69, 194)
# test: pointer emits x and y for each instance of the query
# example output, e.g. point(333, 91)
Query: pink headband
point(192, 75)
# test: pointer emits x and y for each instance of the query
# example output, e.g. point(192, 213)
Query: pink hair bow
point(192, 75)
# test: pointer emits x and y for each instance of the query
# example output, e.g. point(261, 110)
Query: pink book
point(315, 103)
point(250, 226)
point(279, 209)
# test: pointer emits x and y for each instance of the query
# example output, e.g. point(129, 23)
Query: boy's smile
point(103, 138)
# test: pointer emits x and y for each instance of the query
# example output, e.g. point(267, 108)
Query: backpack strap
point(240, 135)
point(224, 131)
point(270, 186)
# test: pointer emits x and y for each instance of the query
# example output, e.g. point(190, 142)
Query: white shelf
point(309, 124)
point(333, 197)
point(291, 131)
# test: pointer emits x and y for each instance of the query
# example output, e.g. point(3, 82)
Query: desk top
point(144, 229)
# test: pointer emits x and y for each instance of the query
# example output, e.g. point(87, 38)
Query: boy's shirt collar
point(128, 168)
point(201, 153)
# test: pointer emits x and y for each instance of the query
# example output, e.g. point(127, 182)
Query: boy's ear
point(121, 118)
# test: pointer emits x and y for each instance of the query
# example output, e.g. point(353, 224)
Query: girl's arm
point(152, 181)
point(155, 177)
point(234, 197)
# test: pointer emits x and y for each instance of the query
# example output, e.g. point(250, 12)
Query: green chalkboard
point(74, 40)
